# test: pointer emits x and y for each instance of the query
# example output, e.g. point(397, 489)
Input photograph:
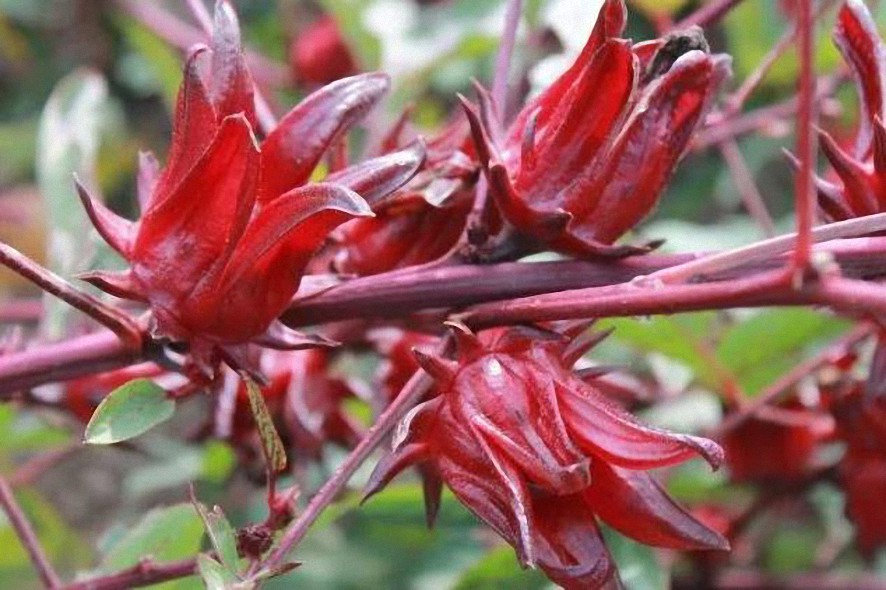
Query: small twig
point(26, 535)
point(774, 392)
point(121, 324)
point(412, 392)
point(747, 188)
point(198, 9)
point(32, 469)
point(709, 14)
point(769, 248)
point(145, 573)
point(805, 197)
point(505, 56)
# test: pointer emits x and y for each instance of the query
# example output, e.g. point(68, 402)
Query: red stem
point(709, 14)
point(805, 197)
point(118, 322)
point(26, 535)
point(146, 573)
point(411, 393)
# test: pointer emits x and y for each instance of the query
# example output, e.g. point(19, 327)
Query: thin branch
point(27, 536)
point(744, 182)
point(774, 392)
point(709, 14)
point(145, 573)
point(31, 470)
point(505, 56)
point(805, 197)
point(412, 392)
point(119, 323)
point(201, 14)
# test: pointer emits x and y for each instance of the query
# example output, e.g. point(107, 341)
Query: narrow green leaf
point(128, 411)
point(221, 535)
point(272, 446)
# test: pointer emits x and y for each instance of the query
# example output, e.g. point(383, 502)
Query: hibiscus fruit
point(229, 225)
point(539, 454)
point(859, 174)
point(587, 159)
point(319, 55)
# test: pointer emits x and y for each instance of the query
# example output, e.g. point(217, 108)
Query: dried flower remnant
point(587, 160)
point(306, 402)
point(540, 454)
point(229, 225)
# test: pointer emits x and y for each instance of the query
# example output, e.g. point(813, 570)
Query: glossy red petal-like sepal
point(230, 81)
point(856, 37)
point(118, 284)
point(292, 150)
point(605, 430)
point(633, 503)
point(118, 232)
point(281, 337)
point(377, 178)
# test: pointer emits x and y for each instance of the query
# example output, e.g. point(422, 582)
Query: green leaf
point(637, 566)
point(676, 337)
point(165, 534)
point(272, 446)
point(221, 535)
point(215, 575)
point(128, 411)
point(500, 569)
point(761, 348)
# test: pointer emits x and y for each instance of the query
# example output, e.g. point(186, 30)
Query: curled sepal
point(292, 150)
point(857, 39)
point(390, 465)
point(633, 503)
point(442, 370)
point(858, 193)
point(116, 231)
point(293, 227)
point(377, 178)
point(568, 544)
point(281, 337)
point(118, 284)
point(605, 430)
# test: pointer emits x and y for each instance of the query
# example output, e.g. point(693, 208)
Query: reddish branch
point(805, 198)
point(145, 573)
point(401, 293)
point(26, 535)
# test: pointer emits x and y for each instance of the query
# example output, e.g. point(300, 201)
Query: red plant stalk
point(27, 536)
point(805, 197)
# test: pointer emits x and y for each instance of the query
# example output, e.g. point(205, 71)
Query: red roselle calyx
point(420, 222)
point(861, 175)
point(320, 55)
point(539, 455)
point(587, 159)
point(860, 412)
point(229, 224)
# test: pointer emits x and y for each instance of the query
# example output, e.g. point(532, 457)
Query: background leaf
point(128, 411)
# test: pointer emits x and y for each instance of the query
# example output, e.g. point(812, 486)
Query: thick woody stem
point(27, 536)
